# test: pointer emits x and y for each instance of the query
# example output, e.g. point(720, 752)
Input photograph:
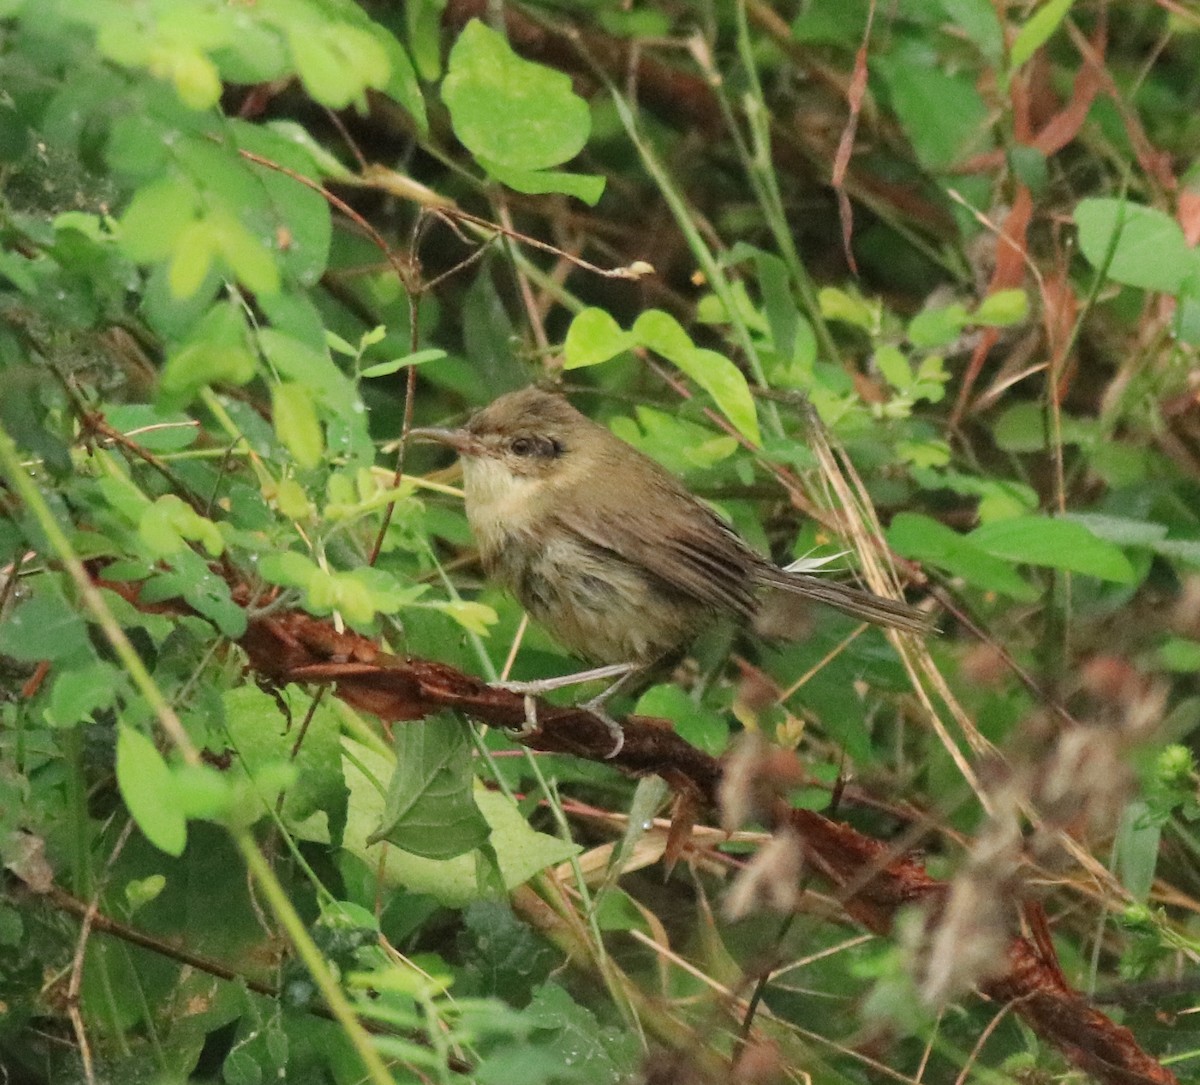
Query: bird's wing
point(697, 554)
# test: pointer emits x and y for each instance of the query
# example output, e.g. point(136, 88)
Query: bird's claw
point(530, 724)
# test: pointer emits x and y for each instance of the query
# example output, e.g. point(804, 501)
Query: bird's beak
point(462, 441)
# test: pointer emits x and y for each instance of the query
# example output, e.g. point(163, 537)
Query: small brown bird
point(606, 548)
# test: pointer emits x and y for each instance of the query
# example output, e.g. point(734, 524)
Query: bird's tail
point(866, 605)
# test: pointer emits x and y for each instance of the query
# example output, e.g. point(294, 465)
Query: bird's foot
point(539, 686)
point(595, 706)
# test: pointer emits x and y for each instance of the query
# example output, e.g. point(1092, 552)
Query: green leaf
point(337, 62)
point(923, 539)
point(78, 692)
point(420, 357)
point(942, 113)
point(1180, 655)
point(252, 262)
point(702, 727)
point(193, 255)
point(147, 787)
point(932, 328)
point(1002, 308)
point(1055, 543)
point(1022, 428)
point(300, 363)
point(1037, 31)
point(594, 337)
point(1147, 246)
point(43, 627)
point(522, 851)
point(156, 218)
point(838, 305)
point(472, 616)
point(1121, 530)
point(508, 110)
point(978, 20)
point(168, 523)
point(288, 569)
point(199, 364)
point(152, 429)
point(893, 367)
point(716, 374)
point(264, 741)
point(1136, 849)
point(430, 809)
point(296, 423)
point(587, 187)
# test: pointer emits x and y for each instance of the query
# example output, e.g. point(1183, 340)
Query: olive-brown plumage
point(607, 549)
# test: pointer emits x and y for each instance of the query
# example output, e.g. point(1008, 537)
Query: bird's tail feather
point(872, 608)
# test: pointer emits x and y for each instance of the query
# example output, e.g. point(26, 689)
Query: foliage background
point(245, 243)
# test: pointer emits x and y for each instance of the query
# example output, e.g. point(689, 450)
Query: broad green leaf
point(195, 76)
point(80, 691)
point(1057, 544)
point(1180, 655)
point(16, 269)
point(288, 569)
point(296, 423)
point(587, 187)
point(472, 616)
point(195, 248)
point(43, 627)
point(716, 374)
point(779, 306)
point(300, 363)
point(337, 62)
point(1121, 530)
point(923, 539)
point(1037, 30)
point(152, 429)
point(168, 524)
point(937, 327)
point(292, 223)
point(521, 850)
point(701, 726)
point(1185, 550)
point(265, 738)
point(893, 367)
point(941, 112)
point(838, 305)
point(508, 110)
point(251, 261)
point(978, 20)
point(594, 337)
point(388, 594)
point(420, 357)
point(1002, 308)
point(189, 577)
point(198, 364)
point(325, 163)
point(148, 789)
point(1023, 428)
point(1146, 246)
point(430, 809)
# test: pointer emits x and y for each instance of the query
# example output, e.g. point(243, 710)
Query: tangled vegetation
point(911, 290)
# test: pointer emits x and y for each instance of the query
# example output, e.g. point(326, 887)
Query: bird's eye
point(524, 446)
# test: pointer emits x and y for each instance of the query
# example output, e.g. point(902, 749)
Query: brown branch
point(874, 882)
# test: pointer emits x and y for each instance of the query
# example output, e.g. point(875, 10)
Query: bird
point(607, 549)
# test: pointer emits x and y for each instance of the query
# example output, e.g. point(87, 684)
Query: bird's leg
point(545, 685)
point(621, 671)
